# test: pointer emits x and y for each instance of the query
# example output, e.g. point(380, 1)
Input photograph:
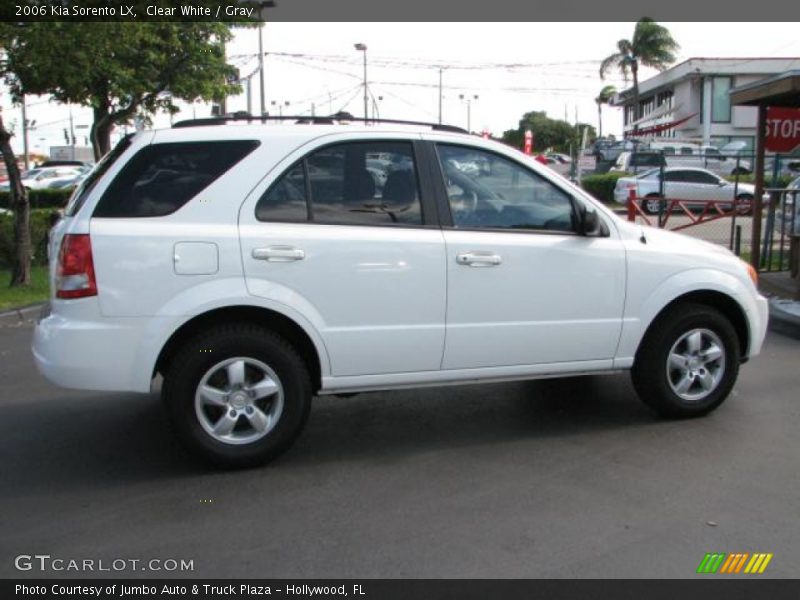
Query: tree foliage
point(548, 133)
point(652, 46)
point(604, 97)
point(120, 69)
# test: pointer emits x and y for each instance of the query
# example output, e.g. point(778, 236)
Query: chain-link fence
point(711, 196)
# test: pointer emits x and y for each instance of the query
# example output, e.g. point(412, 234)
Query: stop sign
point(782, 129)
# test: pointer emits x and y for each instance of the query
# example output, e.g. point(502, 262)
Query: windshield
point(650, 174)
point(31, 173)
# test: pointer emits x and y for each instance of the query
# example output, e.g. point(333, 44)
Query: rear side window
point(353, 183)
point(161, 178)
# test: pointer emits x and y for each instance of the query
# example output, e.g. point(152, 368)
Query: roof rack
point(307, 120)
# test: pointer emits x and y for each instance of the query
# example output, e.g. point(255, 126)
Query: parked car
point(637, 162)
point(788, 216)
point(560, 158)
point(611, 153)
point(697, 186)
point(67, 163)
point(211, 255)
point(42, 177)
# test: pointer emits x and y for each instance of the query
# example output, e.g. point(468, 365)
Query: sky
point(512, 68)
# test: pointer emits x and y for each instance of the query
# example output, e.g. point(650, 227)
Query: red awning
point(661, 127)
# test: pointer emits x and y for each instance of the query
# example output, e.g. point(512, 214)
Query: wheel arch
point(284, 326)
point(724, 303)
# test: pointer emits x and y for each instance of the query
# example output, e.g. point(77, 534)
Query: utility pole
point(440, 95)
point(260, 71)
point(363, 48)
point(261, 6)
point(25, 133)
point(250, 97)
point(72, 131)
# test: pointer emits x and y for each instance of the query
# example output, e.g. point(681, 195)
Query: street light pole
point(363, 48)
point(469, 109)
point(440, 95)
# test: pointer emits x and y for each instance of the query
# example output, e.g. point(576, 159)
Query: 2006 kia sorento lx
point(256, 265)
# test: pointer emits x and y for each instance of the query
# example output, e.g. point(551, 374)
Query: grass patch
point(37, 291)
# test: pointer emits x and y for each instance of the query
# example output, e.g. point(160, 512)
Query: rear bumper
point(97, 354)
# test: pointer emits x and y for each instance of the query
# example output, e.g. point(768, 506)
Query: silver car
point(697, 186)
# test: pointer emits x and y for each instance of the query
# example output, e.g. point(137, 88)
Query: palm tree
point(652, 46)
point(604, 97)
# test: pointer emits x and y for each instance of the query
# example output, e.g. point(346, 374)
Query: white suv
point(256, 265)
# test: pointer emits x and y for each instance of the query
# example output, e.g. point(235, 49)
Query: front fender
point(640, 313)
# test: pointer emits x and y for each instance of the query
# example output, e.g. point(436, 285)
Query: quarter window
point(358, 183)
point(486, 190)
point(161, 178)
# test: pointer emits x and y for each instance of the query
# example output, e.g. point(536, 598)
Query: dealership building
point(691, 101)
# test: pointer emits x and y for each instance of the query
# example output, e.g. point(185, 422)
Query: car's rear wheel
point(688, 362)
point(237, 395)
point(744, 204)
point(652, 204)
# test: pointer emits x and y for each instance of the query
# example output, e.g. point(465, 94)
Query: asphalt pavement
point(557, 478)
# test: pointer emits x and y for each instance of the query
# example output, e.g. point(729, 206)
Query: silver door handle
point(278, 254)
point(479, 259)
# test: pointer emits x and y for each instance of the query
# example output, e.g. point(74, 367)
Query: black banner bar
point(399, 10)
point(394, 589)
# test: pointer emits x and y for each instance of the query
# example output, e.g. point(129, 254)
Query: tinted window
point(84, 189)
point(360, 183)
point(676, 176)
point(706, 178)
point(646, 160)
point(161, 178)
point(487, 190)
point(285, 200)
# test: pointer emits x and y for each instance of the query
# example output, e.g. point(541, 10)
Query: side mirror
point(589, 222)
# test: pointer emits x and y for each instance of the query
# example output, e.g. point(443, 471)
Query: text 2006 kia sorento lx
point(255, 265)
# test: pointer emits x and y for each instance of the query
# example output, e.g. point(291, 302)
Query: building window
point(721, 100)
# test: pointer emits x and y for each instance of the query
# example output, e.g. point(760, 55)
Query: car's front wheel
point(237, 395)
point(688, 362)
point(652, 204)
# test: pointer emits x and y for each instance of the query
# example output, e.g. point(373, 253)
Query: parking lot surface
point(556, 478)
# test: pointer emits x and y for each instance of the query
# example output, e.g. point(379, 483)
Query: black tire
point(651, 374)
point(200, 355)
point(744, 204)
point(651, 204)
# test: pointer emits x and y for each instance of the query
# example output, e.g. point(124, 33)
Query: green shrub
point(41, 220)
point(602, 186)
point(783, 180)
point(40, 198)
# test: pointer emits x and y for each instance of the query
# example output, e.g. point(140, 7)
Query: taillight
point(75, 274)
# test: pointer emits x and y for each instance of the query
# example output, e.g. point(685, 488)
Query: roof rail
point(307, 120)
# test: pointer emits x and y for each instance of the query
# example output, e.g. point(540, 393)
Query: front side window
point(486, 190)
point(161, 178)
point(354, 183)
point(705, 178)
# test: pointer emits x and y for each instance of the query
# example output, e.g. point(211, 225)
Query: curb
point(783, 321)
point(18, 316)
